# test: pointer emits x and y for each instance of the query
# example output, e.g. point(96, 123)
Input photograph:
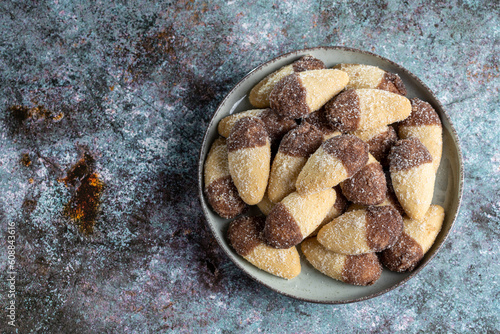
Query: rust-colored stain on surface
point(25, 159)
point(39, 112)
point(83, 206)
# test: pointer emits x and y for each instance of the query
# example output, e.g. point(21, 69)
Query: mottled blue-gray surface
point(117, 243)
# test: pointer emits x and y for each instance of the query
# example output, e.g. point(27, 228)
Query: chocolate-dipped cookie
point(259, 95)
point(364, 269)
point(337, 159)
point(249, 157)
point(276, 126)
point(416, 239)
point(367, 76)
point(299, 94)
point(363, 109)
point(424, 124)
point(245, 236)
point(296, 216)
point(219, 187)
point(412, 176)
point(294, 150)
point(362, 231)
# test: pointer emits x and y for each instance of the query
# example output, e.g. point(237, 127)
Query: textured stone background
point(134, 84)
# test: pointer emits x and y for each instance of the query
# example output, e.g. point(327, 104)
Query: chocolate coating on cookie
point(381, 144)
point(341, 202)
point(408, 153)
point(366, 187)
point(349, 149)
point(244, 234)
point(384, 225)
point(275, 125)
point(362, 269)
point(281, 229)
point(422, 113)
point(343, 112)
point(318, 119)
point(224, 199)
point(248, 132)
point(392, 83)
point(308, 63)
point(404, 255)
point(302, 141)
point(288, 97)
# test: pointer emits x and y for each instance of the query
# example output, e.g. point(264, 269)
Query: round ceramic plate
point(311, 285)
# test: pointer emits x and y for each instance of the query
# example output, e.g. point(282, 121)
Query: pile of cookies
point(340, 162)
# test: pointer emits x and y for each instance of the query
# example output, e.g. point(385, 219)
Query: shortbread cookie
point(259, 95)
point(367, 76)
point(245, 236)
point(318, 119)
point(416, 239)
point(413, 176)
point(219, 187)
point(424, 124)
point(296, 216)
point(249, 157)
point(337, 159)
point(364, 269)
point(295, 148)
point(336, 210)
point(368, 186)
point(379, 140)
point(299, 94)
point(362, 231)
point(276, 126)
point(363, 109)
point(265, 206)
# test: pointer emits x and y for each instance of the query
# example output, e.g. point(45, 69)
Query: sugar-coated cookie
point(259, 95)
point(294, 150)
point(362, 231)
point(364, 269)
point(265, 206)
point(245, 236)
point(296, 216)
point(276, 126)
point(219, 187)
point(367, 76)
point(337, 159)
point(249, 158)
point(424, 124)
point(363, 109)
point(412, 176)
point(299, 94)
point(416, 239)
